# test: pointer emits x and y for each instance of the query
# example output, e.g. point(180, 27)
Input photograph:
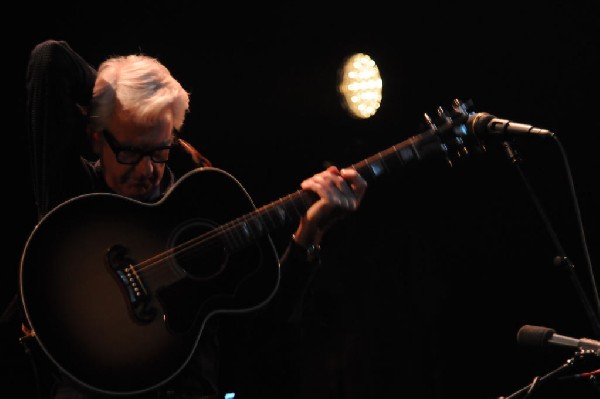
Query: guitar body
point(118, 292)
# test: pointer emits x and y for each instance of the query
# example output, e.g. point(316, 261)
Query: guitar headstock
point(451, 125)
point(448, 136)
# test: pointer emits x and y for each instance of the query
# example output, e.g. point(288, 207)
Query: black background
point(428, 284)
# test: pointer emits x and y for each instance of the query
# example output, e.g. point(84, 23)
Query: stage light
point(360, 86)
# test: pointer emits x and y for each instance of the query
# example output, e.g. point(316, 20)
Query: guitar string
point(209, 237)
point(229, 230)
point(363, 167)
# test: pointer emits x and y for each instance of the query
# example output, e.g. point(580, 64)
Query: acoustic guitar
point(118, 292)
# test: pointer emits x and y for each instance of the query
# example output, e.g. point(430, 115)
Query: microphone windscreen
point(534, 335)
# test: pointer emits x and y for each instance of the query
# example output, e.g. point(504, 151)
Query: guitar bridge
point(132, 285)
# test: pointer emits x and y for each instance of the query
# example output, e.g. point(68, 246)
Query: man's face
point(135, 179)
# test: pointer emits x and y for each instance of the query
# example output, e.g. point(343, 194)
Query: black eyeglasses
point(132, 155)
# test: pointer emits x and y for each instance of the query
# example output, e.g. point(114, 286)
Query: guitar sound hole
point(198, 253)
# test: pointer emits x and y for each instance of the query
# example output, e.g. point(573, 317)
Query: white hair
point(142, 87)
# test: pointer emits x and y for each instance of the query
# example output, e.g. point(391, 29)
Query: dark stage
point(427, 285)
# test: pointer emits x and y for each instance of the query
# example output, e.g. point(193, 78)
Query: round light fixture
point(360, 86)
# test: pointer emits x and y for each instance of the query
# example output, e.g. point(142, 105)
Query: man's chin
point(141, 193)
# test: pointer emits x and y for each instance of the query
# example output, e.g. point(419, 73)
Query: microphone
point(542, 336)
point(484, 124)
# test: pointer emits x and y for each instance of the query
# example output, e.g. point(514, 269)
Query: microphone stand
point(528, 389)
point(561, 259)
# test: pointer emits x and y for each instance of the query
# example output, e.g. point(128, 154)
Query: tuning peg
point(462, 112)
point(459, 145)
point(462, 107)
point(433, 127)
point(443, 114)
point(429, 122)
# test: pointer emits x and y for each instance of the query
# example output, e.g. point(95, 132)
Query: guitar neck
point(416, 148)
point(288, 210)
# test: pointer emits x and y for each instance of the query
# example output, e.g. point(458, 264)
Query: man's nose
point(145, 165)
